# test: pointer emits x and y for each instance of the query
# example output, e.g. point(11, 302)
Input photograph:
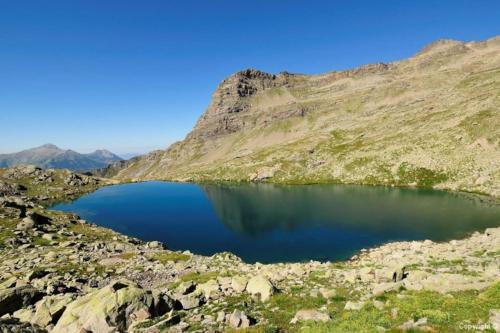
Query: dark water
point(269, 223)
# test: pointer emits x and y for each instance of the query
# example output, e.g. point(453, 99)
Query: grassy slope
point(430, 121)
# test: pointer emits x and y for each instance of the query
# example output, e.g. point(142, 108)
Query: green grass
point(165, 257)
point(446, 263)
point(444, 313)
point(199, 277)
point(422, 177)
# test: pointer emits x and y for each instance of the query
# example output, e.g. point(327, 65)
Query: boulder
point(412, 324)
point(238, 319)
point(13, 325)
point(155, 245)
point(47, 311)
point(392, 273)
point(163, 303)
point(449, 282)
point(190, 301)
point(239, 283)
point(356, 306)
point(32, 220)
point(185, 288)
point(8, 282)
point(384, 287)
point(110, 309)
point(261, 286)
point(13, 299)
point(210, 289)
point(313, 315)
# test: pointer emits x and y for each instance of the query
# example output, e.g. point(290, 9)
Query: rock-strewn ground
point(59, 273)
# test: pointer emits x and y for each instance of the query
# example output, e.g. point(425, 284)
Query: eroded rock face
point(230, 101)
point(109, 309)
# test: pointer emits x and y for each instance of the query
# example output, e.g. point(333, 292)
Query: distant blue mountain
point(51, 156)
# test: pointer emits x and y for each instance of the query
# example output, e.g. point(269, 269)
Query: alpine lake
point(282, 223)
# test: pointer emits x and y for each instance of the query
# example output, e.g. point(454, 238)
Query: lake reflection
point(270, 223)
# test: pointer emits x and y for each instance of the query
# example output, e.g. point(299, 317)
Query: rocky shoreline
point(59, 273)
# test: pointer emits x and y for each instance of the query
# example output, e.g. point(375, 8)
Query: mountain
point(432, 120)
point(51, 156)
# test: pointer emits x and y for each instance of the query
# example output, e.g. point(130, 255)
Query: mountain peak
point(50, 146)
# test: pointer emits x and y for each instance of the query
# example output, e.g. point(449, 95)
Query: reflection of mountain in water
point(260, 208)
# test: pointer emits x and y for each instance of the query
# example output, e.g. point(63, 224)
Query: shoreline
point(51, 257)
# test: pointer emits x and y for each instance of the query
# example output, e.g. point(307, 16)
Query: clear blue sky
point(131, 76)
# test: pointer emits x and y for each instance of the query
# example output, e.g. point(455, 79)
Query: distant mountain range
point(51, 156)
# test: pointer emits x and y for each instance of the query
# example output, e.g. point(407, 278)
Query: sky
point(133, 76)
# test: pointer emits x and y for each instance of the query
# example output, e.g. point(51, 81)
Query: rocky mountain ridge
point(431, 120)
point(51, 156)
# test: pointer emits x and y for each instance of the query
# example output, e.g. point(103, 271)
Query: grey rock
point(13, 299)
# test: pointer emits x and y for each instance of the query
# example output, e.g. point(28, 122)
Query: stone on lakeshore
point(210, 289)
point(108, 309)
point(261, 286)
point(155, 245)
point(32, 220)
point(239, 283)
point(312, 315)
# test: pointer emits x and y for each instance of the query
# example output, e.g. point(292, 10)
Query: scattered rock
point(13, 299)
point(261, 286)
point(312, 315)
point(356, 306)
point(239, 319)
point(106, 309)
point(239, 283)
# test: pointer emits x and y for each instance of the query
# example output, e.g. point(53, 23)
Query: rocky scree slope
point(431, 120)
point(59, 273)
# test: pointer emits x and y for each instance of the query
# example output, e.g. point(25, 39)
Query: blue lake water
point(271, 223)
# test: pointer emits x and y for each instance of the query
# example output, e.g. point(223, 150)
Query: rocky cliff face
point(431, 120)
point(227, 112)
